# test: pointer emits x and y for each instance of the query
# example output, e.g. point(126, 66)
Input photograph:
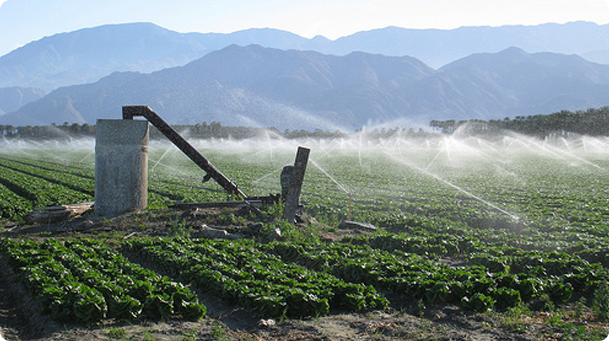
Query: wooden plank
point(58, 212)
point(35, 217)
point(84, 205)
point(130, 235)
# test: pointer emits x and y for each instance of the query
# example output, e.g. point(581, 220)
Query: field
point(508, 233)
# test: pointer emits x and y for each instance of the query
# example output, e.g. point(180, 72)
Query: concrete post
point(121, 166)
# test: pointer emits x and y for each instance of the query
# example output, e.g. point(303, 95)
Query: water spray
point(84, 158)
point(460, 189)
point(161, 158)
point(343, 188)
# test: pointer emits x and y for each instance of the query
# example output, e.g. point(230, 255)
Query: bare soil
point(20, 317)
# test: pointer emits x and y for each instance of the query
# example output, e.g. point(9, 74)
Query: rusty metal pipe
point(142, 110)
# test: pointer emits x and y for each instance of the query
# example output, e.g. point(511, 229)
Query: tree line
point(52, 131)
point(593, 122)
point(199, 131)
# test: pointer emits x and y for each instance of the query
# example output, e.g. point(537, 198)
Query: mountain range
point(13, 98)
point(292, 89)
point(87, 55)
point(373, 76)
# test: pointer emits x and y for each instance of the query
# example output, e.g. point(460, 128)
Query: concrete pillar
point(121, 166)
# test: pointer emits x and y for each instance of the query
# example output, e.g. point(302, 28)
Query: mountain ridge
point(86, 55)
point(13, 98)
point(292, 89)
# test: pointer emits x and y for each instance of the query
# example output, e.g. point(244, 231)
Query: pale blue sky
point(22, 21)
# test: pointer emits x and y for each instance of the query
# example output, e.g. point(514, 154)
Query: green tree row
point(202, 131)
point(47, 132)
point(196, 131)
point(593, 121)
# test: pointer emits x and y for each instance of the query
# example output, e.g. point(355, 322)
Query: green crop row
point(41, 162)
point(242, 274)
point(12, 206)
point(77, 183)
point(85, 281)
point(39, 191)
point(504, 281)
point(529, 201)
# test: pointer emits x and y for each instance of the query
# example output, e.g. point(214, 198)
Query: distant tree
point(10, 130)
point(594, 121)
point(447, 126)
point(75, 128)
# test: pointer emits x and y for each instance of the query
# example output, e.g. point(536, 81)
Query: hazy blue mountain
point(598, 56)
point(440, 47)
point(237, 85)
point(513, 82)
point(303, 89)
point(85, 56)
point(14, 98)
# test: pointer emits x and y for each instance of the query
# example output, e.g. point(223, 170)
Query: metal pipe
point(212, 172)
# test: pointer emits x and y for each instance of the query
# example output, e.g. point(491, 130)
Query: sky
point(22, 21)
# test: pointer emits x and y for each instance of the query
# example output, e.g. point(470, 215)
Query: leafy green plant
point(478, 302)
point(104, 285)
point(601, 301)
point(237, 271)
point(116, 333)
point(515, 317)
point(179, 228)
point(218, 333)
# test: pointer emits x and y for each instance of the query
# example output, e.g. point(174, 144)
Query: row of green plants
point(74, 182)
point(12, 206)
point(550, 200)
point(52, 164)
point(38, 191)
point(488, 280)
point(239, 273)
point(500, 255)
point(545, 204)
point(29, 183)
point(85, 281)
point(308, 279)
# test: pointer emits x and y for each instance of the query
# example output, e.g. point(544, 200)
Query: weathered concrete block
point(121, 166)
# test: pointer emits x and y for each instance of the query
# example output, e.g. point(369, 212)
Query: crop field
point(483, 224)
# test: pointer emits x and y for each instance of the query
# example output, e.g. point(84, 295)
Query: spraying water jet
point(343, 188)
point(458, 188)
